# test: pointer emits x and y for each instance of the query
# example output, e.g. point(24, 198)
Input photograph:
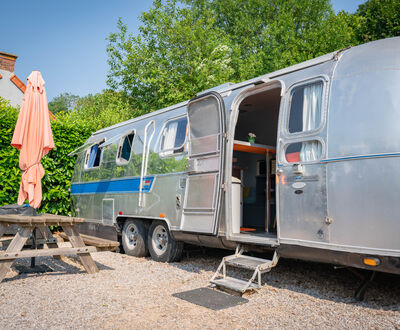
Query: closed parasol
point(33, 137)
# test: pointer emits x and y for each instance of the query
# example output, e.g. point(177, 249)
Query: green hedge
point(69, 132)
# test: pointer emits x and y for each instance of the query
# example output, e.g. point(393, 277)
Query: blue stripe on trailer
point(130, 185)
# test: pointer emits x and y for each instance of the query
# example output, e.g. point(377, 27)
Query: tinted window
point(173, 136)
point(204, 117)
point(93, 157)
point(125, 148)
point(303, 151)
point(305, 108)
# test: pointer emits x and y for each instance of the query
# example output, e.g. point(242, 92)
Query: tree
point(185, 47)
point(63, 102)
point(104, 109)
point(270, 35)
point(378, 19)
point(176, 54)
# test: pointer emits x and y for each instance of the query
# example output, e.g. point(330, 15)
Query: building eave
point(17, 82)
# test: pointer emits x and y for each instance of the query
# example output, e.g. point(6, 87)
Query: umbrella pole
point(34, 245)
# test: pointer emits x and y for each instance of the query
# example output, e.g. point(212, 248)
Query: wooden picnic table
point(42, 222)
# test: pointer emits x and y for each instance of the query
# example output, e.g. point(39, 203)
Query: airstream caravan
point(302, 161)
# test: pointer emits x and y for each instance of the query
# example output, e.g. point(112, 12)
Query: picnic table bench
point(28, 224)
point(100, 243)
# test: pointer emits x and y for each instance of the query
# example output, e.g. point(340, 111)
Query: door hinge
point(223, 186)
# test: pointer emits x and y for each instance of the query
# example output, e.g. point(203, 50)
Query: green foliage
point(270, 35)
point(68, 133)
point(63, 102)
point(10, 173)
point(186, 47)
point(104, 109)
point(176, 54)
point(378, 19)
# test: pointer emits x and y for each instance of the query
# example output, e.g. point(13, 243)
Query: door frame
point(255, 88)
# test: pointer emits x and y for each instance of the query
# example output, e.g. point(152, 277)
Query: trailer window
point(305, 108)
point(93, 156)
point(125, 148)
point(173, 137)
point(306, 151)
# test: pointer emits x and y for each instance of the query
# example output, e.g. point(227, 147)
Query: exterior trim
point(337, 247)
point(385, 155)
point(116, 186)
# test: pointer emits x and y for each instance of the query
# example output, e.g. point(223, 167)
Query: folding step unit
point(238, 260)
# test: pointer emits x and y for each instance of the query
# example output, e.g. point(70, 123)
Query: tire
point(134, 238)
point(161, 245)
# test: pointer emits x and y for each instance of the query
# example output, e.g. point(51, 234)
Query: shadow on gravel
point(321, 281)
point(68, 265)
point(211, 299)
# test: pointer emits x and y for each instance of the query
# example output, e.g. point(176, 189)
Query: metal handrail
point(145, 158)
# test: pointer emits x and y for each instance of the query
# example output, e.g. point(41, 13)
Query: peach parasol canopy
point(33, 137)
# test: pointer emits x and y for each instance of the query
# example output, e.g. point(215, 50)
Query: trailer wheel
point(162, 246)
point(134, 238)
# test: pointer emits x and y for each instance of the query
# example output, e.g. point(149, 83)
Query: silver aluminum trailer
point(319, 183)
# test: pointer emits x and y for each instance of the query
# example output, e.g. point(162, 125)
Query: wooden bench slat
point(42, 219)
point(46, 252)
point(94, 241)
point(39, 241)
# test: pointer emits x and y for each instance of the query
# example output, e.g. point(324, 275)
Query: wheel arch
point(121, 219)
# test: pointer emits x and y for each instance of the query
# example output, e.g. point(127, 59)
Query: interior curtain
point(312, 105)
point(92, 156)
point(169, 138)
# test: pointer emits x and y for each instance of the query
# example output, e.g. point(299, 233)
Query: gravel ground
point(130, 292)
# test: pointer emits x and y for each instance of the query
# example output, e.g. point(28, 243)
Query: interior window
point(306, 108)
point(306, 151)
point(93, 157)
point(173, 136)
point(125, 148)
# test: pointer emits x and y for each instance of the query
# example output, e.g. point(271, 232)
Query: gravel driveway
point(130, 292)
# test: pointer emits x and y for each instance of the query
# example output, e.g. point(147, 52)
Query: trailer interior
point(254, 164)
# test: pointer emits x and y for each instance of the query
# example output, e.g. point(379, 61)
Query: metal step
point(247, 262)
point(257, 265)
point(234, 284)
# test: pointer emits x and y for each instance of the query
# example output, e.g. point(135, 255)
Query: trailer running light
point(120, 213)
point(372, 261)
point(162, 215)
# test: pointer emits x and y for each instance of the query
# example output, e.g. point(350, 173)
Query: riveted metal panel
point(303, 204)
point(201, 191)
point(204, 145)
point(364, 202)
point(198, 222)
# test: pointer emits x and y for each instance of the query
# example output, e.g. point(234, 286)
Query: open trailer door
point(204, 184)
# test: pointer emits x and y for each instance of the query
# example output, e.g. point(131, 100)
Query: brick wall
point(7, 61)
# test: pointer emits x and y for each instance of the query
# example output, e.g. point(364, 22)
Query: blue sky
point(66, 40)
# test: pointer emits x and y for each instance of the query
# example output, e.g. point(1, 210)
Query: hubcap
point(159, 239)
point(132, 235)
